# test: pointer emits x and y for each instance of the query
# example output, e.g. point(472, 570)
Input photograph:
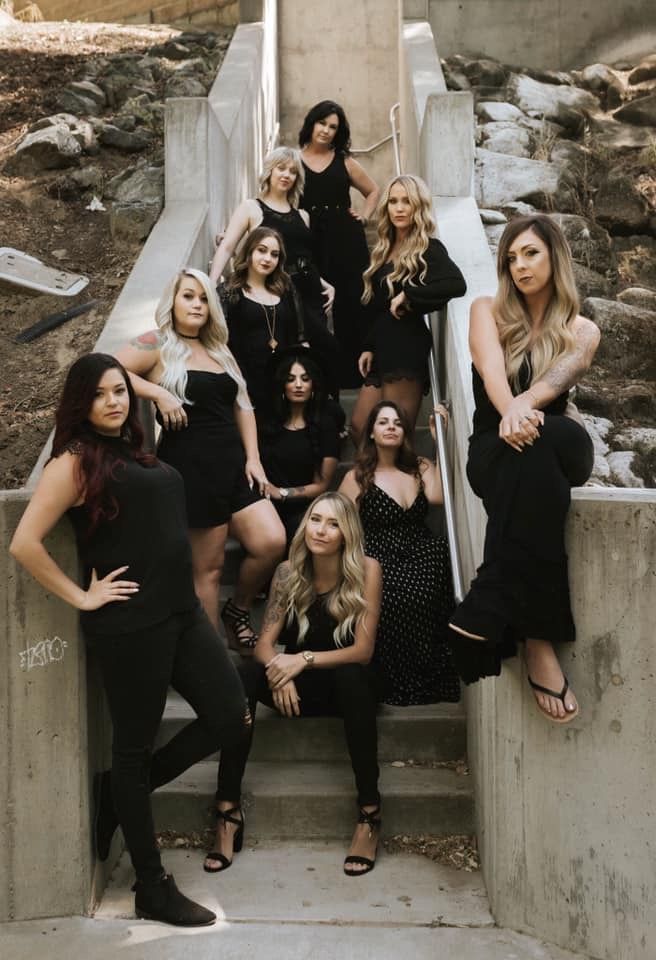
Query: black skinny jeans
point(344, 691)
point(184, 652)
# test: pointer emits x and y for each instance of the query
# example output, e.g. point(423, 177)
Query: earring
point(312, 395)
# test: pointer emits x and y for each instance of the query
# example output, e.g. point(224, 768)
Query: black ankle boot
point(106, 820)
point(161, 900)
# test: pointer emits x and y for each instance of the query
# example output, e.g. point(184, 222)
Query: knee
point(273, 542)
point(234, 728)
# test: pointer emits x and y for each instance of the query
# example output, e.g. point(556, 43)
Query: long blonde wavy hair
point(510, 312)
point(346, 602)
point(174, 350)
point(410, 265)
point(275, 158)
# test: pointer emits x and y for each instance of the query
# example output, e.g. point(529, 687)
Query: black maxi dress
point(342, 257)
point(521, 589)
point(411, 658)
point(401, 347)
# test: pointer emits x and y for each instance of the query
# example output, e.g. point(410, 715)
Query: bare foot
point(224, 839)
point(364, 844)
point(544, 669)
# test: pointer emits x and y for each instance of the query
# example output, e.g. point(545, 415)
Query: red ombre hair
point(98, 461)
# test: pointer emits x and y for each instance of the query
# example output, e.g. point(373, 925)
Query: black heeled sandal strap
point(226, 816)
point(239, 619)
point(372, 818)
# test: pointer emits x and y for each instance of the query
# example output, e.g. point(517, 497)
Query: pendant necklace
point(271, 326)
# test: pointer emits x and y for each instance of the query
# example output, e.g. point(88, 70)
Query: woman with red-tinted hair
point(138, 611)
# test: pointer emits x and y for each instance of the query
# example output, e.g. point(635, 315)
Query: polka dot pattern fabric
point(411, 658)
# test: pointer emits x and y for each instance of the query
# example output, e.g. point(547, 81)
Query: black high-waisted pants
point(184, 652)
point(344, 691)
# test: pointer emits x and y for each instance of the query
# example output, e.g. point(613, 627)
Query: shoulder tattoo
point(152, 340)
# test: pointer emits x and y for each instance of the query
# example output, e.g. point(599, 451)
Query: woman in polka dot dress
point(393, 488)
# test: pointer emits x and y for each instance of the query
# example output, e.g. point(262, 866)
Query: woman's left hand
point(283, 668)
point(520, 422)
point(442, 412)
point(328, 294)
point(286, 700)
point(399, 305)
point(358, 216)
point(256, 476)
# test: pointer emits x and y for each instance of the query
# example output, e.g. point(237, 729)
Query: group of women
point(246, 389)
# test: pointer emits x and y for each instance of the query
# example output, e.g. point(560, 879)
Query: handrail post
point(395, 137)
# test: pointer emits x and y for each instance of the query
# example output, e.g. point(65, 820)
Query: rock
point(502, 179)
point(613, 135)
point(492, 217)
point(489, 95)
point(627, 337)
point(618, 399)
point(621, 464)
point(601, 425)
point(505, 137)
point(597, 77)
point(132, 221)
point(172, 50)
point(557, 77)
point(637, 297)
point(129, 75)
point(125, 121)
point(185, 87)
point(636, 438)
point(454, 79)
point(641, 111)
point(590, 244)
point(195, 67)
point(615, 93)
point(600, 446)
point(589, 283)
point(126, 140)
point(493, 234)
point(83, 97)
point(600, 476)
point(73, 184)
point(518, 209)
point(50, 148)
point(646, 70)
point(572, 154)
point(142, 182)
point(620, 207)
point(485, 72)
point(564, 105)
point(491, 111)
point(636, 260)
point(81, 130)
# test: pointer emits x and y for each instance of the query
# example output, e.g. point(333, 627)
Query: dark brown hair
point(366, 459)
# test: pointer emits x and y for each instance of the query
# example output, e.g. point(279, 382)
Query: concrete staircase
point(299, 784)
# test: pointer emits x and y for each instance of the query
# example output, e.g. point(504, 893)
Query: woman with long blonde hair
point(324, 604)
point(410, 274)
point(209, 435)
point(529, 346)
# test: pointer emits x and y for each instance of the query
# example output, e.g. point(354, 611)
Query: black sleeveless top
point(328, 190)
point(320, 631)
point(486, 415)
point(295, 235)
point(150, 534)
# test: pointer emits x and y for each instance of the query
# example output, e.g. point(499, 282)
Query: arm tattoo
point(148, 341)
point(569, 369)
point(277, 602)
point(296, 491)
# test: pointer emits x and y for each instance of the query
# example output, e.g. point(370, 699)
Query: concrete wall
point(51, 703)
point(564, 815)
point(347, 52)
point(197, 13)
point(543, 33)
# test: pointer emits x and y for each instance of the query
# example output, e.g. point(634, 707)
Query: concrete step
point(316, 801)
point(435, 732)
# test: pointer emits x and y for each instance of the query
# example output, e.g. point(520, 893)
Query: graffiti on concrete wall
point(43, 653)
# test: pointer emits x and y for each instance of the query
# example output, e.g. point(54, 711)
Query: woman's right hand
point(108, 589)
point(520, 423)
point(174, 415)
point(286, 700)
point(364, 362)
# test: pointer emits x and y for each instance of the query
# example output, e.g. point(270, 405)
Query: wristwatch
point(308, 656)
point(284, 492)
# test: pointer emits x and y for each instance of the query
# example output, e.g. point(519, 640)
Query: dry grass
point(29, 13)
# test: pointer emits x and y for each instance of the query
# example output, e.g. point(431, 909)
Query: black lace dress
point(412, 661)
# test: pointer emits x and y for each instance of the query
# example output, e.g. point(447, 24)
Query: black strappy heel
point(238, 841)
point(236, 621)
point(374, 821)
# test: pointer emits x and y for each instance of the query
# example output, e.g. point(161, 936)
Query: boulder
point(641, 297)
point(485, 72)
point(195, 67)
point(517, 208)
point(493, 234)
point(600, 476)
point(493, 111)
point(172, 50)
point(181, 86)
point(597, 77)
point(132, 221)
point(641, 112)
point(627, 337)
point(621, 469)
point(50, 148)
point(454, 79)
point(598, 428)
point(128, 75)
point(646, 70)
point(492, 217)
point(82, 97)
point(72, 185)
point(589, 283)
point(617, 399)
point(557, 77)
point(565, 105)
point(130, 141)
point(505, 137)
point(81, 130)
point(636, 438)
point(589, 243)
point(620, 207)
point(569, 154)
point(138, 197)
point(615, 93)
point(636, 260)
point(613, 135)
point(502, 179)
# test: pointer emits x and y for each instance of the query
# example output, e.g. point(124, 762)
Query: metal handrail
point(374, 146)
point(440, 431)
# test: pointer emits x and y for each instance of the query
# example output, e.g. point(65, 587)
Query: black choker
point(186, 336)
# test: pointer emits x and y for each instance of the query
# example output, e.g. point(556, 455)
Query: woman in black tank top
point(528, 448)
point(138, 612)
point(325, 603)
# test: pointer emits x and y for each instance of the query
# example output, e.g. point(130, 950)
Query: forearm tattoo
point(147, 341)
point(277, 602)
point(570, 368)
